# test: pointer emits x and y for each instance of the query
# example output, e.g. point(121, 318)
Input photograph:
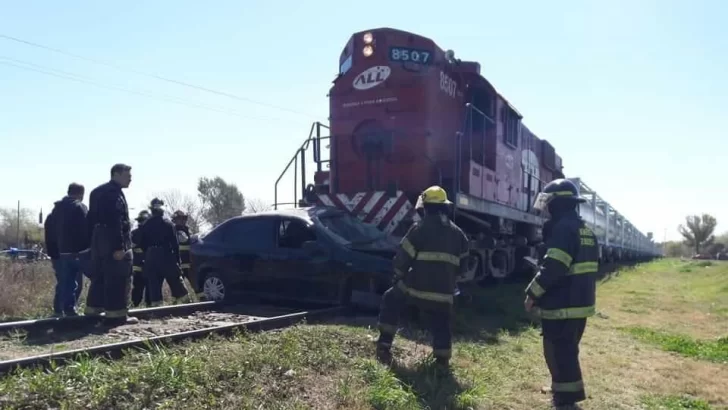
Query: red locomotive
point(405, 115)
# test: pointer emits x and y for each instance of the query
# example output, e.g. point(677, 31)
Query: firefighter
point(431, 256)
point(138, 281)
point(183, 237)
point(158, 239)
point(562, 294)
point(111, 255)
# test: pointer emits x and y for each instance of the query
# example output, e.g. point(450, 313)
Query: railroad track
point(81, 320)
point(111, 343)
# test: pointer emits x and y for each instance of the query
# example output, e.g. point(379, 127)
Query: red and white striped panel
point(376, 208)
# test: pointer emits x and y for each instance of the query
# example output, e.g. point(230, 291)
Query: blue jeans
point(69, 283)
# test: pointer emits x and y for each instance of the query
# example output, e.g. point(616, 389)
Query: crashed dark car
point(317, 254)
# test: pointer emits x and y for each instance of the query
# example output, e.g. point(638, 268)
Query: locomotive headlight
point(368, 38)
point(368, 50)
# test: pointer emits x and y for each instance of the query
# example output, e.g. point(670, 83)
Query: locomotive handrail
point(316, 138)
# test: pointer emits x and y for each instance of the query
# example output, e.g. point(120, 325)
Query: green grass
point(653, 402)
point(497, 359)
point(712, 350)
point(28, 290)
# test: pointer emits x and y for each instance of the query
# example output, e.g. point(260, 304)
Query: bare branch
point(255, 205)
point(175, 200)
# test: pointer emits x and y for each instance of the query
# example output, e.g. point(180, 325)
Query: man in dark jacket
point(70, 232)
point(158, 239)
point(51, 244)
point(563, 292)
point(431, 256)
point(111, 254)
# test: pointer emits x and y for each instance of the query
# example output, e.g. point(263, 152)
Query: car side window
point(216, 234)
point(292, 233)
point(250, 234)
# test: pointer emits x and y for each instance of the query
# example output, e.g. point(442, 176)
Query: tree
point(698, 231)
point(255, 205)
point(720, 245)
point(676, 249)
point(175, 200)
point(220, 200)
point(30, 231)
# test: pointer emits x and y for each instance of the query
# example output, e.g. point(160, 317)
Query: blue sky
point(630, 93)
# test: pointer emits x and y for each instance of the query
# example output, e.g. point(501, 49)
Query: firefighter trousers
point(192, 278)
point(138, 285)
point(561, 340)
point(438, 319)
point(110, 278)
point(160, 265)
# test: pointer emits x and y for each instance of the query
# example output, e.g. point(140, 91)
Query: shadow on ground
point(435, 388)
point(483, 311)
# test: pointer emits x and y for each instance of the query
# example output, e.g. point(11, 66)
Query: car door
point(305, 271)
point(249, 245)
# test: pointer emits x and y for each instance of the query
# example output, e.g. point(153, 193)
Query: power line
point(82, 79)
point(155, 76)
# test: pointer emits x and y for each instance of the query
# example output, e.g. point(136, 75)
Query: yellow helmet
point(434, 195)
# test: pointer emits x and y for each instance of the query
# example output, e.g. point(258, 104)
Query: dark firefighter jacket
point(107, 206)
point(51, 241)
point(183, 237)
point(431, 256)
point(159, 232)
point(138, 259)
point(69, 225)
point(566, 285)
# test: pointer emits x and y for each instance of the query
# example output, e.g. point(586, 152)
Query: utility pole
point(17, 230)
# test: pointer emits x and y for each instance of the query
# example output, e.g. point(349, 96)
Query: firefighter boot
point(442, 366)
point(384, 355)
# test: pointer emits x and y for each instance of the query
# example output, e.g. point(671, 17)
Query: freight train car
point(406, 114)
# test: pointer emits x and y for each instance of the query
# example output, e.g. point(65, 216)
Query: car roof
point(305, 214)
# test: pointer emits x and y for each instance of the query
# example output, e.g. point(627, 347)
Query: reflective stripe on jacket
point(431, 256)
point(566, 285)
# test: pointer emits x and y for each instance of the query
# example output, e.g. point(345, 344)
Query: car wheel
point(214, 287)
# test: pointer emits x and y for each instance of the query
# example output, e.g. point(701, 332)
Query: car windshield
point(351, 229)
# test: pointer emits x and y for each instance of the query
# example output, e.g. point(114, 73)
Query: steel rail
point(82, 320)
point(115, 350)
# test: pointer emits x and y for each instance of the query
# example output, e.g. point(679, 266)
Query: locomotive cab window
point(483, 101)
point(511, 126)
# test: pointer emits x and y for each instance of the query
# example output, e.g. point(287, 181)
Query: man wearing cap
point(431, 256)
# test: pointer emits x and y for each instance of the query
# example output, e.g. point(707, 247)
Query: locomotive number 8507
point(409, 55)
point(447, 84)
